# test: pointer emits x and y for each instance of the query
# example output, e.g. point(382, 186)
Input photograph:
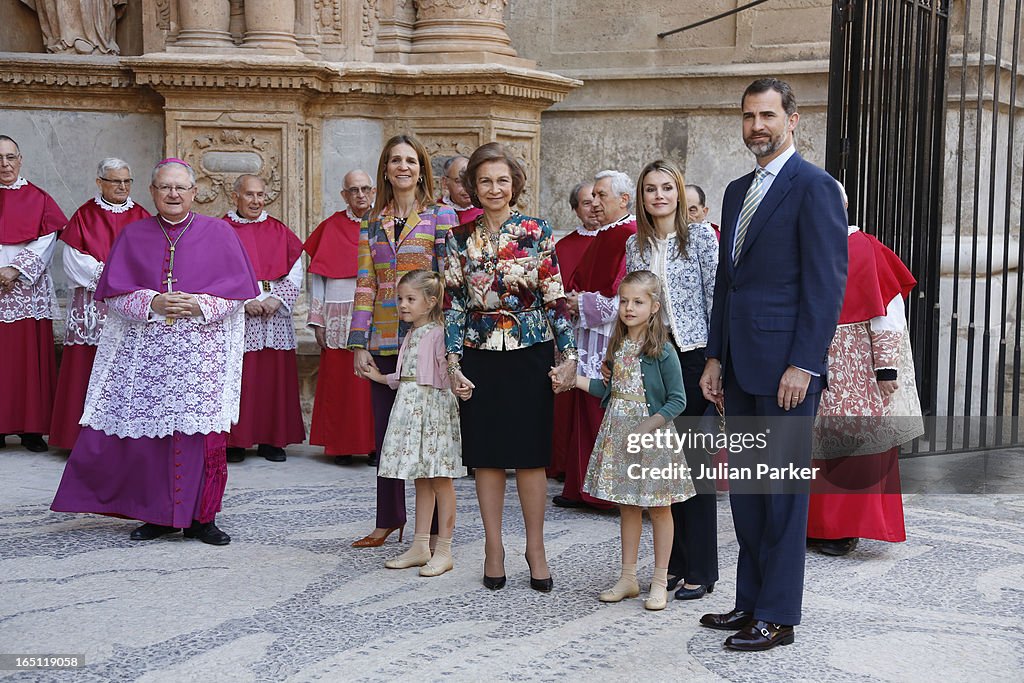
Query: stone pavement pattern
point(289, 600)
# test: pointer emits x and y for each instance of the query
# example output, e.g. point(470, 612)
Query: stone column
point(204, 24)
point(270, 26)
point(305, 29)
point(453, 31)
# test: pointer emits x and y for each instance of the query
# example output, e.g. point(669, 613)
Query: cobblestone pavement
point(290, 600)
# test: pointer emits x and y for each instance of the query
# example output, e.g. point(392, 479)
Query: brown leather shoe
point(730, 621)
point(760, 635)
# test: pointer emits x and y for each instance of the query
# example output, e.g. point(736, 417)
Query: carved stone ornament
point(84, 27)
point(368, 22)
point(460, 9)
point(220, 156)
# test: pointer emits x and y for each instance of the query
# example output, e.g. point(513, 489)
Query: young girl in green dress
point(645, 393)
point(423, 441)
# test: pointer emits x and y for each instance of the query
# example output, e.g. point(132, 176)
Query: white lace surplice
point(151, 379)
point(33, 295)
point(330, 307)
point(85, 315)
point(278, 331)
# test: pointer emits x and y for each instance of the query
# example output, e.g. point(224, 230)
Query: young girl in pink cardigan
point(423, 440)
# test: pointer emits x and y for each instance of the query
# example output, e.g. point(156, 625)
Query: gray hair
point(450, 161)
point(172, 162)
point(574, 195)
point(111, 164)
point(11, 140)
point(621, 184)
point(240, 179)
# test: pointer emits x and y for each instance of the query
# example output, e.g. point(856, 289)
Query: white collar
point(238, 219)
point(113, 208)
point(776, 164)
point(852, 229)
point(628, 218)
point(351, 216)
point(170, 222)
point(447, 201)
point(17, 184)
point(587, 233)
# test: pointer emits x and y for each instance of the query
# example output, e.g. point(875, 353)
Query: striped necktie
point(750, 204)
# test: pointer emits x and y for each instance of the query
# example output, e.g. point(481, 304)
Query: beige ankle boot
point(625, 587)
point(658, 598)
point(417, 555)
point(442, 561)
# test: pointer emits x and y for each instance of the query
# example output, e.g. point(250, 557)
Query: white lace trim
point(151, 379)
point(17, 184)
point(588, 233)
point(628, 218)
point(238, 219)
point(352, 216)
point(113, 208)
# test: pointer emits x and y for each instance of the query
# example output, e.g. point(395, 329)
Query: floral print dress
point(610, 475)
point(423, 439)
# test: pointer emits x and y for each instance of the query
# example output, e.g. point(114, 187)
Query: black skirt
point(507, 423)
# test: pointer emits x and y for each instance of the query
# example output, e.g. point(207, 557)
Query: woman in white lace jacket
point(685, 257)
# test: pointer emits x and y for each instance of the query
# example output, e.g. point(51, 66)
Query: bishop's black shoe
point(236, 454)
point(207, 532)
point(147, 532)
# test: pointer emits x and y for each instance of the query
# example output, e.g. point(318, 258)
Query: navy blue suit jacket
point(779, 304)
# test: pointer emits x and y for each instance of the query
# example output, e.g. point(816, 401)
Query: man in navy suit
point(779, 289)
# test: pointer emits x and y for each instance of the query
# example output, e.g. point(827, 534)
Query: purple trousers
point(171, 481)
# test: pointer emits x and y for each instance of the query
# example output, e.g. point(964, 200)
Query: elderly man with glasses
point(453, 192)
point(87, 241)
point(342, 411)
point(29, 221)
point(166, 382)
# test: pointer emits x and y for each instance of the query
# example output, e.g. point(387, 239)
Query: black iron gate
point(922, 130)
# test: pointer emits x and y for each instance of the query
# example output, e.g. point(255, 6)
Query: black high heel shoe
point(496, 582)
point(542, 585)
point(697, 593)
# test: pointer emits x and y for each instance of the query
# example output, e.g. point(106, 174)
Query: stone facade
point(301, 91)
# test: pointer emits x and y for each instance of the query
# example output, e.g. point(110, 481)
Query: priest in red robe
point(594, 298)
point(29, 221)
point(87, 241)
point(453, 191)
point(165, 384)
point(269, 414)
point(342, 410)
point(870, 408)
point(569, 251)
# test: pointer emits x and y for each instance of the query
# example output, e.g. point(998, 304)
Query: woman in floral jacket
point(505, 311)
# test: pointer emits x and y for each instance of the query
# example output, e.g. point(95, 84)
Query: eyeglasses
point(365, 189)
point(178, 189)
point(119, 183)
point(9, 158)
point(457, 179)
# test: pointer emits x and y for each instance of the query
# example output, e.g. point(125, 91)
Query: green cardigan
point(663, 385)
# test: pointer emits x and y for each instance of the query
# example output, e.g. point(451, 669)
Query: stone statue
point(82, 27)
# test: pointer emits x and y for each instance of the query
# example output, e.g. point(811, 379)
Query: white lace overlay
point(278, 331)
point(151, 379)
point(330, 307)
point(597, 318)
point(33, 295)
point(85, 319)
point(17, 184)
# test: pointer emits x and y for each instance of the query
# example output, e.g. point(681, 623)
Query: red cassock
point(600, 268)
point(875, 510)
point(29, 371)
point(269, 411)
point(342, 411)
point(91, 231)
point(568, 250)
